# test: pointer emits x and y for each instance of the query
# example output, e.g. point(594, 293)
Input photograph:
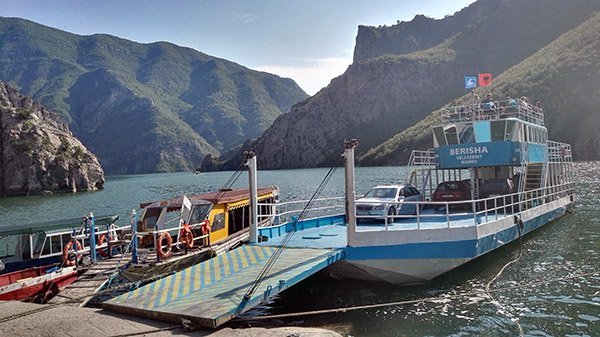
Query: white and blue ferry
point(411, 234)
point(475, 144)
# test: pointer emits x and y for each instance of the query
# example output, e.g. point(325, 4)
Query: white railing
point(156, 232)
point(513, 108)
point(559, 152)
point(286, 211)
point(480, 211)
point(64, 236)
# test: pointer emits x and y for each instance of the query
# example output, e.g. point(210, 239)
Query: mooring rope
point(519, 224)
point(286, 239)
point(415, 301)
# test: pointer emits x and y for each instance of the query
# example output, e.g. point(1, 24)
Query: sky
point(310, 41)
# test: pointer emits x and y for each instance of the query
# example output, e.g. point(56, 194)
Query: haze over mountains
point(159, 107)
point(141, 107)
point(401, 74)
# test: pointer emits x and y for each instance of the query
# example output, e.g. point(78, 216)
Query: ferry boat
point(477, 146)
point(420, 239)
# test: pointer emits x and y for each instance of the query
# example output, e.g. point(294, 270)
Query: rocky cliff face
point(38, 153)
point(400, 82)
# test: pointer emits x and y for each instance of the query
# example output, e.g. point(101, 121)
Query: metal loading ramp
point(211, 293)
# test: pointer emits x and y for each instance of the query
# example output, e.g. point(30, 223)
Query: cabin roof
point(48, 226)
point(219, 197)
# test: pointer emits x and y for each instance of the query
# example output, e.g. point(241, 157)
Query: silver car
point(388, 200)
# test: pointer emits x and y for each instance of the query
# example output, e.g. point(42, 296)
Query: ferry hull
point(412, 263)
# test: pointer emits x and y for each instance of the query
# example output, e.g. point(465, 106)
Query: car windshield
point(496, 185)
point(388, 192)
point(450, 186)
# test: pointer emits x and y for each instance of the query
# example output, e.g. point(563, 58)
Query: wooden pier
point(212, 292)
point(78, 293)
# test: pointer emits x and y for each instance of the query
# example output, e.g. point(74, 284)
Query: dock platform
point(211, 293)
point(78, 293)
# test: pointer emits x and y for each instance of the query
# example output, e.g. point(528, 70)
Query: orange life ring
point(186, 236)
point(65, 255)
point(159, 249)
point(206, 227)
point(104, 251)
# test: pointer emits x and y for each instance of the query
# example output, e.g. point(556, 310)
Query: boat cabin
point(227, 212)
point(495, 141)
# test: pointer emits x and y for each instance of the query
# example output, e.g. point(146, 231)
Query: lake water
point(566, 247)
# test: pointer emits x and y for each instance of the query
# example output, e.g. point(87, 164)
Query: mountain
point(565, 76)
point(142, 107)
point(38, 153)
point(402, 73)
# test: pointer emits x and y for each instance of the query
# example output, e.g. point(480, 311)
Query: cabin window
point(199, 213)
point(467, 136)
point(218, 222)
point(498, 130)
point(438, 133)
point(510, 129)
point(451, 136)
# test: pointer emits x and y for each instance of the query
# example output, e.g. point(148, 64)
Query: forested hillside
point(142, 107)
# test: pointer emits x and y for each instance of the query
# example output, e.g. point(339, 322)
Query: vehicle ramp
point(212, 292)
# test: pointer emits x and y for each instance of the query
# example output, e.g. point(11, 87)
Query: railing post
point(134, 243)
point(349, 146)
point(252, 181)
point(92, 221)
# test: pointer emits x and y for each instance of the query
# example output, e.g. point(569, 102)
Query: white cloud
point(246, 17)
point(310, 74)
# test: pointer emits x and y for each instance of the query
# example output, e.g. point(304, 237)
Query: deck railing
point(479, 211)
point(511, 108)
point(54, 242)
point(287, 211)
point(472, 212)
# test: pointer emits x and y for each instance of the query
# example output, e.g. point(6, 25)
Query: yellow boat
point(213, 218)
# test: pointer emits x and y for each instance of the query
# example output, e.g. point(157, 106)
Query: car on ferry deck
point(452, 191)
point(388, 199)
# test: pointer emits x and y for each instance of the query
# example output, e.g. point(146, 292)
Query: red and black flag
point(484, 79)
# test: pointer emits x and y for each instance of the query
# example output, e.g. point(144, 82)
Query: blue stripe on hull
point(450, 249)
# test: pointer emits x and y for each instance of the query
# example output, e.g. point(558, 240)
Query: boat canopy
point(49, 226)
point(215, 198)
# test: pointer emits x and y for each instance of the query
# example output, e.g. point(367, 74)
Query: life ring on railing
point(205, 227)
point(71, 259)
point(186, 236)
point(159, 249)
point(104, 251)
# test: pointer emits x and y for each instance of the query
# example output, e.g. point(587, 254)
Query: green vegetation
point(564, 76)
point(404, 72)
point(108, 88)
point(23, 113)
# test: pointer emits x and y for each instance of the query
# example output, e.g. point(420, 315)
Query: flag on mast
point(470, 82)
point(484, 79)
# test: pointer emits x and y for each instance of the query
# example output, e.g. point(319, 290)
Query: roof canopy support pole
point(92, 223)
point(349, 146)
point(252, 181)
point(134, 242)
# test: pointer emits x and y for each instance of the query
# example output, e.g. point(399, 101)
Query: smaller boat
point(37, 284)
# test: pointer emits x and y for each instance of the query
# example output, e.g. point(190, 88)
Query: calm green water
point(565, 247)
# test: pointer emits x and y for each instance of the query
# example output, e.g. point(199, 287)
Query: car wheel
point(392, 211)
